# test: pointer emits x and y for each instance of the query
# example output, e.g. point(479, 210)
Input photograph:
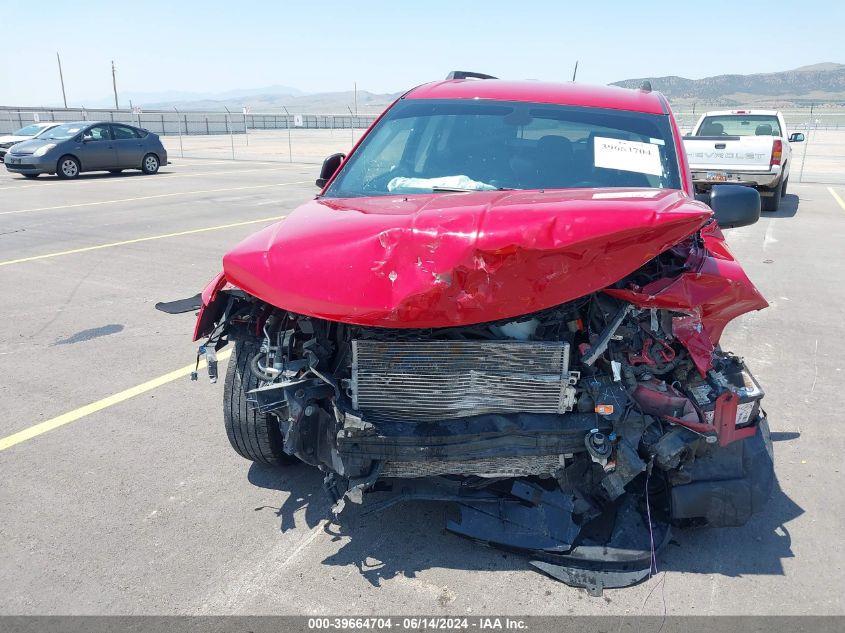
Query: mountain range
point(819, 84)
point(318, 103)
point(269, 99)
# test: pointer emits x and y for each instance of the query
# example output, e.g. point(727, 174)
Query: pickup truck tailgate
point(728, 153)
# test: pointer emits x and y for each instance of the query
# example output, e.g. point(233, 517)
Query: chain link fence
point(309, 137)
point(268, 136)
point(175, 122)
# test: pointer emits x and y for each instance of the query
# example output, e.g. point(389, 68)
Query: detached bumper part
point(536, 519)
point(618, 554)
point(728, 485)
point(180, 306)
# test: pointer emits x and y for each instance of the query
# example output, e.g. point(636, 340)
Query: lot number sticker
point(613, 153)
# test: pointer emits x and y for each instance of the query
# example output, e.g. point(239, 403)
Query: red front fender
point(212, 307)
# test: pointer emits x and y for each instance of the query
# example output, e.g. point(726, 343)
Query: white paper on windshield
point(614, 153)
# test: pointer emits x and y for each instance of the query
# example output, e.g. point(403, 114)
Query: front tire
point(254, 435)
point(67, 168)
point(772, 203)
point(150, 164)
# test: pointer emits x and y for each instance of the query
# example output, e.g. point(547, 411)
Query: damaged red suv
point(508, 299)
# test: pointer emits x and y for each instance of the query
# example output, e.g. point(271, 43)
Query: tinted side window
point(123, 132)
point(99, 133)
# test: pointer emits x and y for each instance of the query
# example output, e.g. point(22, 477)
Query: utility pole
point(61, 78)
point(114, 85)
point(806, 142)
point(575, 72)
point(287, 125)
point(356, 98)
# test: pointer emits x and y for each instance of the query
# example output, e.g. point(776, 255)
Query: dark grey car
point(71, 148)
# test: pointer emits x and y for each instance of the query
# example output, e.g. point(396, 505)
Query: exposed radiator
point(435, 380)
point(493, 467)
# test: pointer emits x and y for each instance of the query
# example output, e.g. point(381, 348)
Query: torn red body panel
point(210, 309)
point(445, 260)
point(713, 293)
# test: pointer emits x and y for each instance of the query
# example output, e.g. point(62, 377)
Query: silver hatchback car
point(71, 148)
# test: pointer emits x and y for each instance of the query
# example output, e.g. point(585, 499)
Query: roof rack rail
point(465, 74)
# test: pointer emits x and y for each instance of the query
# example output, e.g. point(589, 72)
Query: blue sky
point(389, 46)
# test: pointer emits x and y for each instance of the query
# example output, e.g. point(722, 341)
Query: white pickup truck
point(746, 147)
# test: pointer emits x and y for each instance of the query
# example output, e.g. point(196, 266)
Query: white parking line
point(233, 594)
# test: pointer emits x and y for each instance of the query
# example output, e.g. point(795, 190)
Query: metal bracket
point(724, 419)
point(724, 422)
point(567, 392)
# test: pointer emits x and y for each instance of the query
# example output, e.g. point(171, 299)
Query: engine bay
point(578, 435)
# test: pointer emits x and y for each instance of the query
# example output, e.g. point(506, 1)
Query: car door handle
point(720, 146)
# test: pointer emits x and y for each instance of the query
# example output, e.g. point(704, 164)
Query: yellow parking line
point(837, 198)
point(71, 416)
point(189, 161)
point(219, 172)
point(33, 258)
point(139, 178)
point(182, 162)
point(160, 195)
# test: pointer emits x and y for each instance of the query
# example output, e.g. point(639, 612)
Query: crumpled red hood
point(457, 259)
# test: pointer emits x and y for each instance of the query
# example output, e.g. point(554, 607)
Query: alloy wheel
point(69, 168)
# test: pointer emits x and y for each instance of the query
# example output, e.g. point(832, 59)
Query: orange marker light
point(604, 409)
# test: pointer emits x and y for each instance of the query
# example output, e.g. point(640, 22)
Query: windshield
point(421, 146)
point(29, 130)
point(64, 132)
point(739, 125)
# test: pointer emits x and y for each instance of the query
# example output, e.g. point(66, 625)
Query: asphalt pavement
point(121, 495)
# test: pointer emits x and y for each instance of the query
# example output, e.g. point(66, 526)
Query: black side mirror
point(330, 166)
point(796, 137)
point(735, 205)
